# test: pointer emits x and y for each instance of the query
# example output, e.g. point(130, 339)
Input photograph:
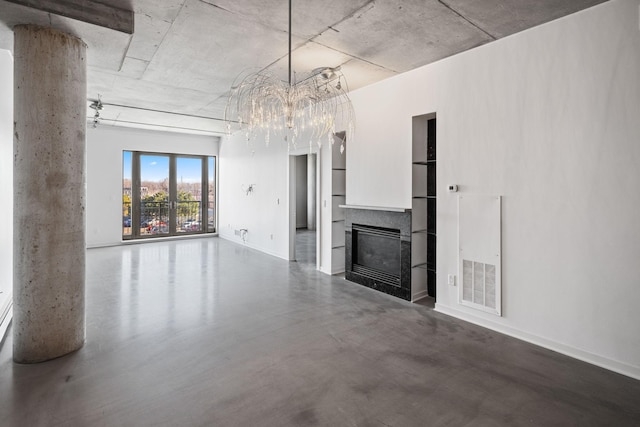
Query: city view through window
point(167, 194)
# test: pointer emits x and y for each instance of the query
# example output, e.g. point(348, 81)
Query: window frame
point(207, 227)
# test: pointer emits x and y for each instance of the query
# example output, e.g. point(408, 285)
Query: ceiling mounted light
point(96, 105)
point(308, 108)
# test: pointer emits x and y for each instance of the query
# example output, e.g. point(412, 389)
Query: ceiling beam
point(88, 11)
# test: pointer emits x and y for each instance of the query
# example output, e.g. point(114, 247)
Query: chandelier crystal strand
point(310, 108)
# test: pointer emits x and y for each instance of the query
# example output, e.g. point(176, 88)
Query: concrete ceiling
point(175, 71)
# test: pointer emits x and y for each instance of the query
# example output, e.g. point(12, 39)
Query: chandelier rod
point(290, 42)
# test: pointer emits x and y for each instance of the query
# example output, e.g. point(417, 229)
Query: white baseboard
point(103, 245)
point(594, 359)
point(95, 245)
point(251, 246)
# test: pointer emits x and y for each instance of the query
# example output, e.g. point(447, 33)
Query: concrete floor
point(306, 247)
point(205, 332)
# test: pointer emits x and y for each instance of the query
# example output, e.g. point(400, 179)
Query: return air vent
point(479, 284)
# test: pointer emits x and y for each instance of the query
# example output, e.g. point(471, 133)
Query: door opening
point(303, 210)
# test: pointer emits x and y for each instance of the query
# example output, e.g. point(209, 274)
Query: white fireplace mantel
point(374, 208)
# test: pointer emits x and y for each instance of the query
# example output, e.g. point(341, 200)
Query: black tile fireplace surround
point(378, 250)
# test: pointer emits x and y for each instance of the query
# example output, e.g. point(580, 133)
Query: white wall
point(6, 180)
point(105, 145)
point(265, 211)
point(312, 191)
point(550, 119)
point(301, 191)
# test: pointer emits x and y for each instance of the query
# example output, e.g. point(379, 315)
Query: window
point(167, 194)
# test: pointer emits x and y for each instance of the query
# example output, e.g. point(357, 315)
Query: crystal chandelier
point(307, 108)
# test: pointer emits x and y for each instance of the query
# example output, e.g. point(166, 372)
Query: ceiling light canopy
point(308, 108)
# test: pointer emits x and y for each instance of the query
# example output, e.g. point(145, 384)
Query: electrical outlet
point(451, 280)
point(272, 237)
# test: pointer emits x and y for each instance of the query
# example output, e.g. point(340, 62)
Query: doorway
point(167, 195)
point(303, 210)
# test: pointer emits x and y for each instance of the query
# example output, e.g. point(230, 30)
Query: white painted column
point(49, 193)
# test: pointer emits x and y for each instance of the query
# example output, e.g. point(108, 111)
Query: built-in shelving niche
point(338, 197)
point(423, 207)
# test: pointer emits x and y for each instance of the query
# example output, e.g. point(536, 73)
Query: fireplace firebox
point(376, 253)
point(378, 250)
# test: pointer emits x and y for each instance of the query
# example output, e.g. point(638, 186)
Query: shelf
point(338, 182)
point(419, 180)
point(419, 248)
point(431, 179)
point(419, 280)
point(431, 139)
point(337, 213)
point(337, 234)
point(338, 159)
point(424, 202)
point(431, 250)
point(431, 214)
point(419, 216)
point(337, 260)
point(338, 198)
point(419, 136)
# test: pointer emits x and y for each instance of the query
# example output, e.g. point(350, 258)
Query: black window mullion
point(173, 195)
point(135, 195)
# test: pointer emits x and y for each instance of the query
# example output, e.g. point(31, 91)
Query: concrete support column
point(50, 89)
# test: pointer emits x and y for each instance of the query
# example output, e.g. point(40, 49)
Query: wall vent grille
point(479, 284)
